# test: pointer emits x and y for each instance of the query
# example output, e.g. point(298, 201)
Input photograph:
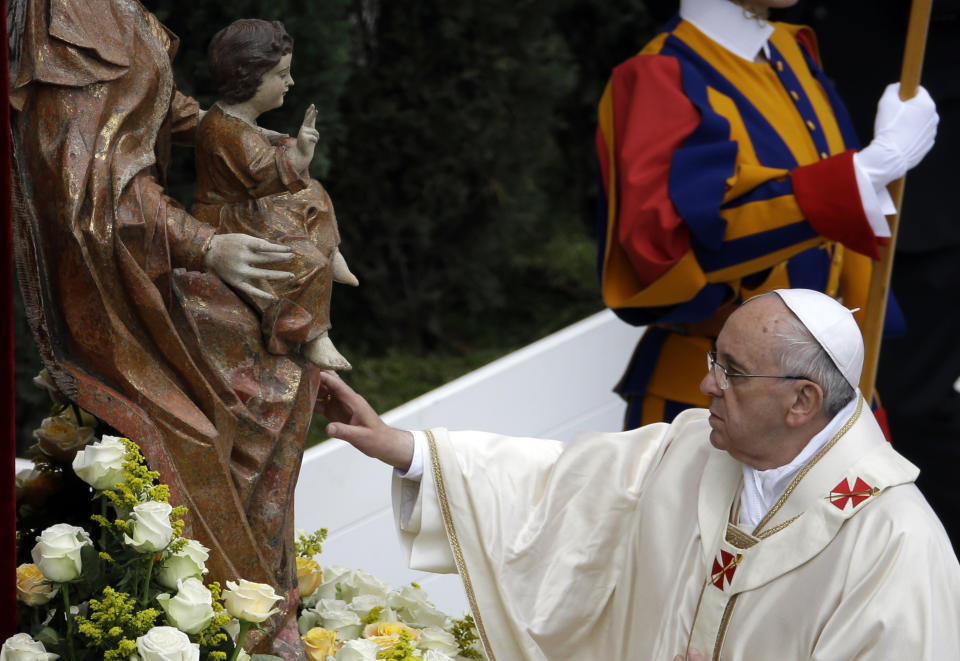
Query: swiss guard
point(730, 168)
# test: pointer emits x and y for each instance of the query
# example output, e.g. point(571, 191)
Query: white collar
point(761, 489)
point(728, 25)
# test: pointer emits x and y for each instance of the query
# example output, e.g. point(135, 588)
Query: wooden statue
point(133, 301)
point(256, 182)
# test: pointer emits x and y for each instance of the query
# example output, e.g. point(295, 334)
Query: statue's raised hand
point(307, 139)
point(234, 258)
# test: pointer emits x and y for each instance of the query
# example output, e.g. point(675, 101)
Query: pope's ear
point(807, 403)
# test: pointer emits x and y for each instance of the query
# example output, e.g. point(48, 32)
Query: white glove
point(903, 133)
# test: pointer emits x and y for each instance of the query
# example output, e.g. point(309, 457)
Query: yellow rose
point(32, 586)
point(60, 436)
point(387, 634)
point(309, 576)
point(319, 643)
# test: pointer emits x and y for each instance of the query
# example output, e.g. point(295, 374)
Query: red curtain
point(8, 547)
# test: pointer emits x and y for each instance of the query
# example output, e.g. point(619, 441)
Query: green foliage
point(214, 637)
point(402, 650)
point(465, 633)
point(372, 616)
point(445, 182)
point(114, 623)
point(308, 546)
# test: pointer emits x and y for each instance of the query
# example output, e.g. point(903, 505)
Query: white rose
point(415, 609)
point(100, 464)
point(364, 603)
point(191, 609)
point(351, 583)
point(249, 601)
point(434, 655)
point(150, 526)
point(438, 640)
point(190, 561)
point(334, 615)
point(57, 552)
point(21, 647)
point(308, 620)
point(358, 650)
point(167, 644)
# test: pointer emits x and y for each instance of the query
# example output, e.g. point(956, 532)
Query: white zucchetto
point(832, 325)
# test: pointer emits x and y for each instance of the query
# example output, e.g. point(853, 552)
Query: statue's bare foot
point(342, 272)
point(321, 352)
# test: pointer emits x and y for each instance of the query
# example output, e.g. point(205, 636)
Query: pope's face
point(273, 86)
point(747, 420)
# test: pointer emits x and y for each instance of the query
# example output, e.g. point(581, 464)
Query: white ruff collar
point(729, 25)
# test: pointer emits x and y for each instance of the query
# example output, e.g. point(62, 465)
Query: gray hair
point(803, 356)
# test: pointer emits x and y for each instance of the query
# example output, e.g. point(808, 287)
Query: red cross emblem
point(841, 494)
point(724, 567)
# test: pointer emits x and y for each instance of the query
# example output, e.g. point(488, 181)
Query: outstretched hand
point(233, 257)
point(354, 420)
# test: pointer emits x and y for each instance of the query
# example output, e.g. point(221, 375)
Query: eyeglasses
point(723, 376)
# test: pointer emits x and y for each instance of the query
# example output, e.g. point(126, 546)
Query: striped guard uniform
point(721, 178)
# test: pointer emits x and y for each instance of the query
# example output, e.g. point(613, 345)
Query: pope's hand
point(354, 420)
point(692, 655)
point(233, 257)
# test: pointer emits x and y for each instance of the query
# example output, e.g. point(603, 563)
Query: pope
point(777, 523)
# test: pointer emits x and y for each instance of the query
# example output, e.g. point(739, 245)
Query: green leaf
point(92, 565)
point(48, 637)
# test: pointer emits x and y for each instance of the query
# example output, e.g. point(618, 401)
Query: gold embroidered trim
point(739, 538)
point(803, 471)
point(724, 622)
point(777, 528)
point(455, 543)
point(696, 613)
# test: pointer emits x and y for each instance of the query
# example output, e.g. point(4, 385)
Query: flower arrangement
point(128, 585)
point(112, 577)
point(350, 615)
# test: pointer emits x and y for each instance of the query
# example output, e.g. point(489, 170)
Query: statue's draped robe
point(112, 272)
point(621, 546)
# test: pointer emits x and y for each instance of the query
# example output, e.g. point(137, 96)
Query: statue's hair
point(802, 355)
point(242, 52)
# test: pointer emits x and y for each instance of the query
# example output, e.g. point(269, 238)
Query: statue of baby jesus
point(256, 182)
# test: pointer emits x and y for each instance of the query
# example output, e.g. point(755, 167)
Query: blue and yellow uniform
point(722, 178)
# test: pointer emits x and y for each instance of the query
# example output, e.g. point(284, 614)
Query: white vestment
point(619, 547)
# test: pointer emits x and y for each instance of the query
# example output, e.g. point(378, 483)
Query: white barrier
point(553, 388)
